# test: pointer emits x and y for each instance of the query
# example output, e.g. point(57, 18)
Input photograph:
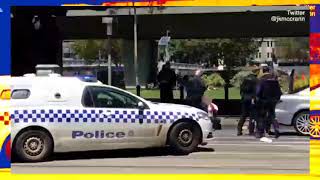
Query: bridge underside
point(186, 26)
point(31, 47)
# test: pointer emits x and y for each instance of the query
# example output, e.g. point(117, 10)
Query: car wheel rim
point(185, 137)
point(33, 146)
point(302, 124)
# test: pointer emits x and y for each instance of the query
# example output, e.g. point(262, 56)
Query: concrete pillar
point(144, 61)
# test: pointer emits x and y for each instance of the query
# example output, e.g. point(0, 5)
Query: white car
point(293, 110)
point(64, 114)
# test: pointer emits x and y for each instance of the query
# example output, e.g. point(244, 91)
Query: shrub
point(214, 80)
point(239, 77)
point(300, 82)
point(284, 83)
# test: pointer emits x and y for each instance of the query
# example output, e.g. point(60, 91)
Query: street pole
point(109, 62)
point(167, 48)
point(136, 49)
point(99, 59)
point(108, 21)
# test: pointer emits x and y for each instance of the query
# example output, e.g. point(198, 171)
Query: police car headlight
point(203, 115)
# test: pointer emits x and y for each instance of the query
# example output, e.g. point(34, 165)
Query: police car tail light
point(203, 115)
point(5, 94)
point(88, 78)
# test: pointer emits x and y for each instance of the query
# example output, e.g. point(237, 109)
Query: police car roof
point(57, 80)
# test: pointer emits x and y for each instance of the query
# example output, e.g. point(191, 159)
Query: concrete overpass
point(31, 47)
point(185, 22)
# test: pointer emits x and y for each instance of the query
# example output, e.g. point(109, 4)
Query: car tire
point(184, 138)
point(298, 123)
point(33, 146)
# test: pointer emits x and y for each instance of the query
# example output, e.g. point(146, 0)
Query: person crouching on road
point(268, 94)
point(248, 98)
point(195, 88)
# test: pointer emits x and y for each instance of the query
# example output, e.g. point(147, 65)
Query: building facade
point(266, 49)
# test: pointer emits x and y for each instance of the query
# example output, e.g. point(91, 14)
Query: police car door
point(119, 120)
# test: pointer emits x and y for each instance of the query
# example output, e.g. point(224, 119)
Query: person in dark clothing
point(248, 97)
point(268, 94)
point(195, 88)
point(167, 80)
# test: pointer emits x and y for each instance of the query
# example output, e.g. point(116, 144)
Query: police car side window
point(126, 100)
point(109, 98)
point(20, 94)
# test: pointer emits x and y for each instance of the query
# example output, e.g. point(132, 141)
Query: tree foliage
point(293, 48)
point(89, 50)
point(233, 51)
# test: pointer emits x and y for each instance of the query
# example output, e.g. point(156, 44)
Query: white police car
point(63, 114)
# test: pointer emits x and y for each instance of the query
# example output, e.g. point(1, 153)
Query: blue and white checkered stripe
point(93, 116)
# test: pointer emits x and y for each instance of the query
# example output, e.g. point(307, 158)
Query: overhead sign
point(164, 41)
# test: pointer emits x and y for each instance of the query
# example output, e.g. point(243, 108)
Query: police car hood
point(175, 107)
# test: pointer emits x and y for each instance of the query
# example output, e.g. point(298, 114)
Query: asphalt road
point(226, 154)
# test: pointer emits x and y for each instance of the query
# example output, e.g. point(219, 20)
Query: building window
point(268, 55)
point(268, 45)
point(271, 44)
point(259, 54)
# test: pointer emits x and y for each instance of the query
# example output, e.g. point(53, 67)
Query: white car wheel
point(33, 146)
point(184, 138)
point(301, 123)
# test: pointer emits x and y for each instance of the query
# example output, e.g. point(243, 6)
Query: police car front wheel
point(33, 146)
point(184, 138)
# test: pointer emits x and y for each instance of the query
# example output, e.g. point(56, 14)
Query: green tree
point(292, 48)
point(233, 51)
point(89, 50)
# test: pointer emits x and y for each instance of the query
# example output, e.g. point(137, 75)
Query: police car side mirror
point(140, 105)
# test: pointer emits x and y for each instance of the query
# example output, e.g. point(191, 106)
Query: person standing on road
point(268, 94)
point(248, 98)
point(167, 80)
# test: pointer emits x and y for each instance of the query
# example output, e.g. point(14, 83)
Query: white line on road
point(250, 137)
point(253, 153)
point(250, 144)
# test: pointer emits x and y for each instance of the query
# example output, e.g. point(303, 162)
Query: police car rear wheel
point(184, 138)
point(33, 145)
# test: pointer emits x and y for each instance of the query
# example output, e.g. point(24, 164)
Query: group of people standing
point(194, 86)
point(259, 97)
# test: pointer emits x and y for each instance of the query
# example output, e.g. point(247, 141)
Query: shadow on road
point(124, 153)
point(289, 134)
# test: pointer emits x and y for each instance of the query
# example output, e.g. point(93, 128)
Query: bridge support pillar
point(145, 61)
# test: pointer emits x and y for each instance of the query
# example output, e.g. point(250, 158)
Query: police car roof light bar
point(88, 78)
